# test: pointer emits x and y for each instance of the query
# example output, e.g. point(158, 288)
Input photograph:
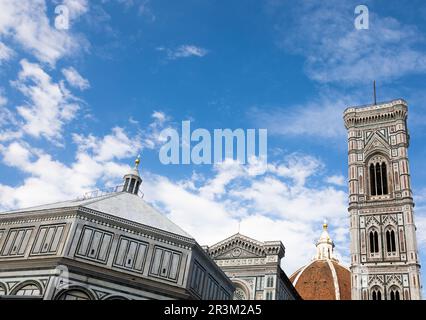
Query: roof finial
point(325, 225)
point(137, 161)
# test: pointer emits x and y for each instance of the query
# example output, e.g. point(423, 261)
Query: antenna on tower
point(374, 90)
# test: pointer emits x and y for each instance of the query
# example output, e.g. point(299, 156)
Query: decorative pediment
point(394, 279)
point(390, 219)
point(376, 280)
point(381, 133)
point(372, 221)
point(240, 246)
point(237, 246)
point(237, 252)
point(377, 141)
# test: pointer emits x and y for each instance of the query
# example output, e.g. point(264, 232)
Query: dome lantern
point(132, 180)
point(324, 278)
point(325, 245)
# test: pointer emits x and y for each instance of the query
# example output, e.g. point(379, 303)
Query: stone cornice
point(374, 114)
point(373, 107)
point(101, 218)
point(134, 227)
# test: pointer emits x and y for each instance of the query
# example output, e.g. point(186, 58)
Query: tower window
point(372, 180)
point(126, 184)
point(394, 294)
point(374, 242)
point(390, 241)
point(270, 282)
point(378, 179)
point(376, 295)
point(132, 185)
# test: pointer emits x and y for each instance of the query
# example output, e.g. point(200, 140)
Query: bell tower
point(384, 257)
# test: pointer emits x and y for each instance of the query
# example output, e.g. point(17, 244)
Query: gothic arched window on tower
point(390, 241)
point(394, 294)
point(376, 294)
point(374, 242)
point(384, 178)
point(378, 179)
point(373, 180)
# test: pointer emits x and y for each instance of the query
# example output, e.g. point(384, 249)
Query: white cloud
point(49, 106)
point(49, 180)
point(75, 79)
point(5, 52)
point(184, 51)
point(9, 125)
point(321, 117)
point(421, 232)
point(337, 52)
point(28, 24)
point(117, 145)
point(226, 172)
point(278, 205)
point(3, 99)
point(338, 180)
point(153, 136)
point(76, 7)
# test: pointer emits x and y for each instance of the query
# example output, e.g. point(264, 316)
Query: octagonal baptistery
point(324, 278)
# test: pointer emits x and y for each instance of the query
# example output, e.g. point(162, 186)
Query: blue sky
point(77, 105)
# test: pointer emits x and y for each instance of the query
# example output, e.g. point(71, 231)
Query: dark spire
point(374, 92)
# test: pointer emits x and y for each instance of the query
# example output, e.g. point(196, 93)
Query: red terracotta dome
point(324, 278)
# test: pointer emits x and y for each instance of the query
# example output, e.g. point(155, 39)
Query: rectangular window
point(122, 247)
point(103, 252)
point(131, 254)
point(270, 282)
point(47, 239)
point(197, 278)
point(94, 244)
point(84, 241)
point(259, 283)
point(141, 257)
point(212, 288)
point(56, 239)
point(174, 266)
point(157, 260)
point(165, 263)
point(16, 242)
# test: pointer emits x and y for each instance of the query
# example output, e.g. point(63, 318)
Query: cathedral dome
point(324, 278)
